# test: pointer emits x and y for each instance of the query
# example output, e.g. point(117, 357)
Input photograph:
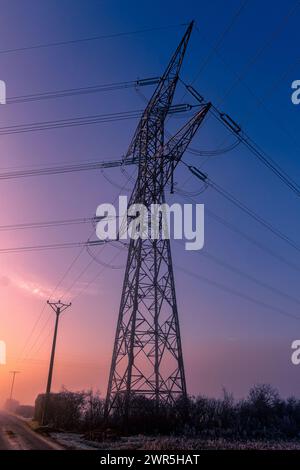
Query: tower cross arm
point(58, 306)
point(161, 100)
point(174, 149)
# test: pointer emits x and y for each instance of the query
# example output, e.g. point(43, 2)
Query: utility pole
point(147, 358)
point(13, 372)
point(58, 308)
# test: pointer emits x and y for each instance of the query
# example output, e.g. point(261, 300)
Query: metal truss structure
point(147, 357)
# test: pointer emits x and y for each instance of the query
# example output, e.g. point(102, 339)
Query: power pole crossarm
point(177, 145)
point(157, 109)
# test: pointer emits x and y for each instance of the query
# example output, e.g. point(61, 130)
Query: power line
point(254, 216)
point(71, 122)
point(214, 152)
point(238, 294)
point(70, 287)
point(194, 151)
point(38, 337)
point(60, 169)
point(222, 286)
point(77, 91)
point(63, 363)
point(254, 148)
point(83, 248)
point(250, 239)
point(83, 289)
point(46, 95)
point(220, 40)
point(58, 246)
point(200, 175)
point(82, 272)
point(220, 220)
point(89, 39)
point(103, 263)
point(23, 349)
point(46, 224)
point(247, 276)
point(246, 236)
point(251, 278)
point(215, 284)
point(259, 101)
point(104, 266)
point(274, 34)
point(82, 121)
point(50, 246)
point(192, 274)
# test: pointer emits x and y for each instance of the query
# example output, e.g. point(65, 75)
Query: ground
point(76, 441)
point(18, 434)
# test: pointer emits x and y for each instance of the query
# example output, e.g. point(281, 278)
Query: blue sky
point(245, 66)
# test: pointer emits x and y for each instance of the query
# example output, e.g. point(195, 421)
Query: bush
point(262, 415)
point(71, 411)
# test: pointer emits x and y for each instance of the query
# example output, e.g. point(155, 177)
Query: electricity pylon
point(147, 356)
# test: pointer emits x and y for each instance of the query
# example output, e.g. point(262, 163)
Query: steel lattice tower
point(147, 356)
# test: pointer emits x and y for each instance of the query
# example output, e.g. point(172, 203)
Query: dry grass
point(169, 443)
point(72, 440)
